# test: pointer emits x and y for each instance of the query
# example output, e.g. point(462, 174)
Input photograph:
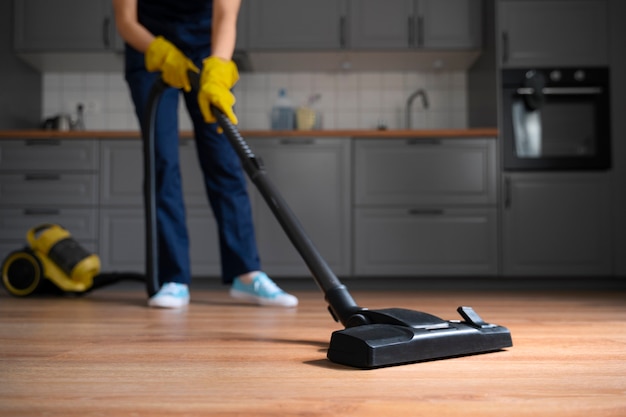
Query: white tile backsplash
point(348, 100)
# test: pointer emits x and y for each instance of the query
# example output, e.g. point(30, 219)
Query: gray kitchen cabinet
point(557, 224)
point(313, 175)
point(122, 228)
point(425, 207)
point(402, 24)
point(553, 33)
point(64, 25)
point(295, 24)
point(48, 181)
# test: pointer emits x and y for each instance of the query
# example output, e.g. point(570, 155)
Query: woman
point(168, 38)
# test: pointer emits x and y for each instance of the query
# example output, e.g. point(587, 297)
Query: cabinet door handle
point(426, 212)
point(505, 47)
point(41, 212)
point(424, 141)
point(43, 142)
point(42, 177)
point(297, 141)
point(565, 91)
point(342, 32)
point(106, 32)
point(420, 31)
point(507, 193)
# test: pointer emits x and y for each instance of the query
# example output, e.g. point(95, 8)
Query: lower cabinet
point(48, 181)
point(122, 223)
point(425, 207)
point(557, 224)
point(313, 176)
point(372, 207)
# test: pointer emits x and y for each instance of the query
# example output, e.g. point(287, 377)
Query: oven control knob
point(556, 75)
point(580, 75)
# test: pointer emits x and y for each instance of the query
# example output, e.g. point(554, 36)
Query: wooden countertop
point(348, 133)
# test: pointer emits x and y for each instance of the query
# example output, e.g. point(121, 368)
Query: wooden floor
point(106, 354)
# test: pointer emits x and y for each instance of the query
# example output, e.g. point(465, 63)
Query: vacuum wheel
point(22, 273)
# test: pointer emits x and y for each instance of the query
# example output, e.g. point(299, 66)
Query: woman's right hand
point(163, 56)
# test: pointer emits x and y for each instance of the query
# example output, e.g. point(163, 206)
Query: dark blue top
point(185, 23)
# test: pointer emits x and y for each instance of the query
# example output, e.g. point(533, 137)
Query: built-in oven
point(556, 119)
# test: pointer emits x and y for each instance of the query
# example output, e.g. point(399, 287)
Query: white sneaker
point(262, 291)
point(171, 295)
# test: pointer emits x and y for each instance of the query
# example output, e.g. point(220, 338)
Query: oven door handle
point(578, 91)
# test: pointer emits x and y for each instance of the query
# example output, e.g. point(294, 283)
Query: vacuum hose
point(149, 155)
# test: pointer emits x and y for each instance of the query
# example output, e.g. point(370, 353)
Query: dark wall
point(20, 85)
point(617, 47)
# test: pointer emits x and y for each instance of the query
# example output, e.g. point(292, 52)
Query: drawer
point(413, 242)
point(48, 189)
point(81, 223)
point(48, 154)
point(423, 172)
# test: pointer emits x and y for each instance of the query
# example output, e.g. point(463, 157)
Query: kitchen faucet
point(409, 104)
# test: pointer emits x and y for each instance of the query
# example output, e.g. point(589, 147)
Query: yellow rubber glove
point(217, 79)
point(163, 56)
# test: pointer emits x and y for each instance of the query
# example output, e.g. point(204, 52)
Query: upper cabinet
point(402, 24)
point(70, 35)
point(64, 25)
point(296, 24)
point(364, 24)
point(553, 33)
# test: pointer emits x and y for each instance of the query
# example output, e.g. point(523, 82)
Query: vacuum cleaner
point(371, 338)
point(53, 262)
point(52, 259)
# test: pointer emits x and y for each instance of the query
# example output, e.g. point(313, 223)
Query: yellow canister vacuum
point(53, 261)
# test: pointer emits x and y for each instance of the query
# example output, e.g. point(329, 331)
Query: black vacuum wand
point(371, 338)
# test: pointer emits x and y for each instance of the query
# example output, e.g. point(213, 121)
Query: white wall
point(348, 99)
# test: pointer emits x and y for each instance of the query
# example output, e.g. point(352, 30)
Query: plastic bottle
point(283, 113)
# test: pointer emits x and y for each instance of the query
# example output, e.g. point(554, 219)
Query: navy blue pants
point(223, 177)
